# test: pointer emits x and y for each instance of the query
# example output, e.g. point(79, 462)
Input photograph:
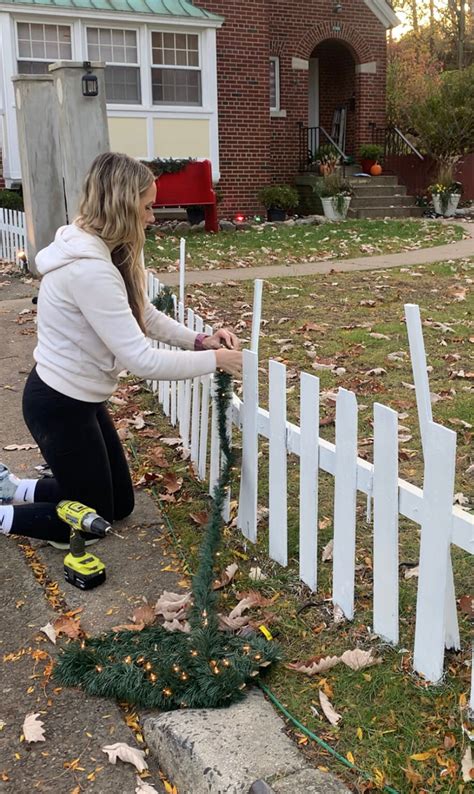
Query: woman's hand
point(229, 361)
point(222, 337)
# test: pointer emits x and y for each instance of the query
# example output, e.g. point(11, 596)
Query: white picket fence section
point(12, 234)
point(188, 403)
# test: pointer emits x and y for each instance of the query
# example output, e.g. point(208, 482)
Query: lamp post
point(90, 85)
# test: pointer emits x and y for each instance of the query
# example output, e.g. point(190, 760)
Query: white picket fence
point(12, 234)
point(189, 403)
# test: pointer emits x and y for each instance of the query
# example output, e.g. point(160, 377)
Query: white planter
point(329, 206)
point(453, 202)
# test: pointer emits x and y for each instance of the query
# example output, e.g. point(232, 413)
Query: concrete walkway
point(420, 256)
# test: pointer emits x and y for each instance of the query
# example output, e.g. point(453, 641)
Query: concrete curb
point(224, 751)
point(420, 256)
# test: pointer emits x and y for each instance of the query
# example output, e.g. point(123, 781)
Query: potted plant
point(278, 200)
point(329, 158)
point(335, 193)
point(445, 192)
point(370, 154)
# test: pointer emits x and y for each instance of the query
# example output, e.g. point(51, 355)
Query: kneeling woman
point(94, 320)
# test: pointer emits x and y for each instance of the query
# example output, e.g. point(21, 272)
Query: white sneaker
point(8, 485)
point(65, 546)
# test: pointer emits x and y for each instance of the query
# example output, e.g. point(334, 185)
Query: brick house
point(230, 82)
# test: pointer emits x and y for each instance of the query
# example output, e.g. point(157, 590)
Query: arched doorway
point(331, 93)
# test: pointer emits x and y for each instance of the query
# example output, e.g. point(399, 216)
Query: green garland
point(164, 302)
point(168, 165)
point(161, 669)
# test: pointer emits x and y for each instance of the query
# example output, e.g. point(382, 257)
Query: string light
point(257, 657)
point(226, 663)
point(140, 660)
point(194, 652)
point(148, 666)
point(167, 692)
point(99, 668)
point(176, 668)
point(128, 660)
point(184, 676)
point(153, 678)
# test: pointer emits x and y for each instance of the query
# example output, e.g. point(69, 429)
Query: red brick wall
point(256, 150)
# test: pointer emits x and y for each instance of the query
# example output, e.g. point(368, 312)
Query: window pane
point(168, 41)
point(122, 84)
point(37, 33)
point(169, 57)
point(176, 86)
point(92, 36)
point(93, 52)
point(181, 41)
point(193, 58)
point(65, 52)
point(274, 78)
point(181, 58)
point(117, 38)
point(192, 42)
point(24, 49)
point(105, 37)
point(131, 55)
point(32, 67)
point(130, 38)
point(38, 50)
point(23, 30)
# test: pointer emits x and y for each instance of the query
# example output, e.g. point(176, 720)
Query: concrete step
point(386, 212)
point(362, 202)
point(363, 190)
point(384, 179)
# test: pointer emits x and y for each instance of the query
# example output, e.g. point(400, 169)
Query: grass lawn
point(271, 245)
point(394, 727)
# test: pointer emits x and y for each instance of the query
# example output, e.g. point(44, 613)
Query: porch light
point(337, 8)
point(90, 85)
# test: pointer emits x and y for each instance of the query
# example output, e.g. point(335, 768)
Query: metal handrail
point(407, 142)
point(309, 135)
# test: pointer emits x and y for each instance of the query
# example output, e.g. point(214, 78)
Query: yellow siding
point(128, 135)
point(181, 137)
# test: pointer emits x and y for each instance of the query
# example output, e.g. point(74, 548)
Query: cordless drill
point(82, 569)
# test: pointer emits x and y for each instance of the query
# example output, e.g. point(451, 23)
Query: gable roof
point(169, 8)
point(384, 12)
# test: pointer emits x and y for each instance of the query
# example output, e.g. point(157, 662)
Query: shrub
point(371, 151)
point(11, 200)
point(282, 197)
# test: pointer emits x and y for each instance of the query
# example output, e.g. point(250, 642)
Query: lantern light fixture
point(90, 84)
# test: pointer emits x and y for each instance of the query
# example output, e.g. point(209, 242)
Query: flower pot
point(451, 207)
point(276, 214)
point(367, 165)
point(330, 208)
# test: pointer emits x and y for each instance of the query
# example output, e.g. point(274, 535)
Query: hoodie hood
point(70, 244)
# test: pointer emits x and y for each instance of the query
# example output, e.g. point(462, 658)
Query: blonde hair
point(110, 208)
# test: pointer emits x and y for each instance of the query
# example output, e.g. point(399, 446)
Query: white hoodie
point(87, 333)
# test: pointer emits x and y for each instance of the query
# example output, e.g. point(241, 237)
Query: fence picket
point(215, 445)
point(278, 518)
point(438, 491)
point(196, 402)
point(345, 492)
point(204, 428)
point(247, 515)
point(385, 492)
point(309, 478)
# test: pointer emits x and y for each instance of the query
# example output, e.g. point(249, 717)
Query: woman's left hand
point(221, 338)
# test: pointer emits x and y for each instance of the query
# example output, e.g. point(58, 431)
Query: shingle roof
point(169, 8)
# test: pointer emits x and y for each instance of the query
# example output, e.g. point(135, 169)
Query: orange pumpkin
point(376, 169)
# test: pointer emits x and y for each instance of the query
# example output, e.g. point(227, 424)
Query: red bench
point(189, 187)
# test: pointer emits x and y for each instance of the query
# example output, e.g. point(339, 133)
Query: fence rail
point(442, 524)
point(12, 234)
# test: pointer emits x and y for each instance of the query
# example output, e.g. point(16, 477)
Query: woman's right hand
point(229, 361)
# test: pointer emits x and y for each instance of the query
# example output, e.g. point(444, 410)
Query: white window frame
point(138, 66)
point(35, 21)
point(276, 60)
point(200, 68)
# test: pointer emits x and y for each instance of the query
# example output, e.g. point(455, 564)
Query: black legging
point(79, 442)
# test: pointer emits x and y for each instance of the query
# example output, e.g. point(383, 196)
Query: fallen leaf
point(226, 577)
point(314, 665)
point(329, 712)
point(177, 625)
point(256, 574)
point(171, 442)
point(33, 730)
point(326, 556)
point(49, 631)
point(144, 788)
point(144, 614)
point(410, 573)
point(172, 605)
point(424, 756)
point(66, 625)
point(467, 765)
point(172, 483)
point(379, 336)
point(200, 518)
point(131, 755)
point(466, 604)
point(460, 499)
point(129, 627)
point(356, 659)
point(376, 371)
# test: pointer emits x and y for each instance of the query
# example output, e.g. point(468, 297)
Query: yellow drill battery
point(85, 572)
